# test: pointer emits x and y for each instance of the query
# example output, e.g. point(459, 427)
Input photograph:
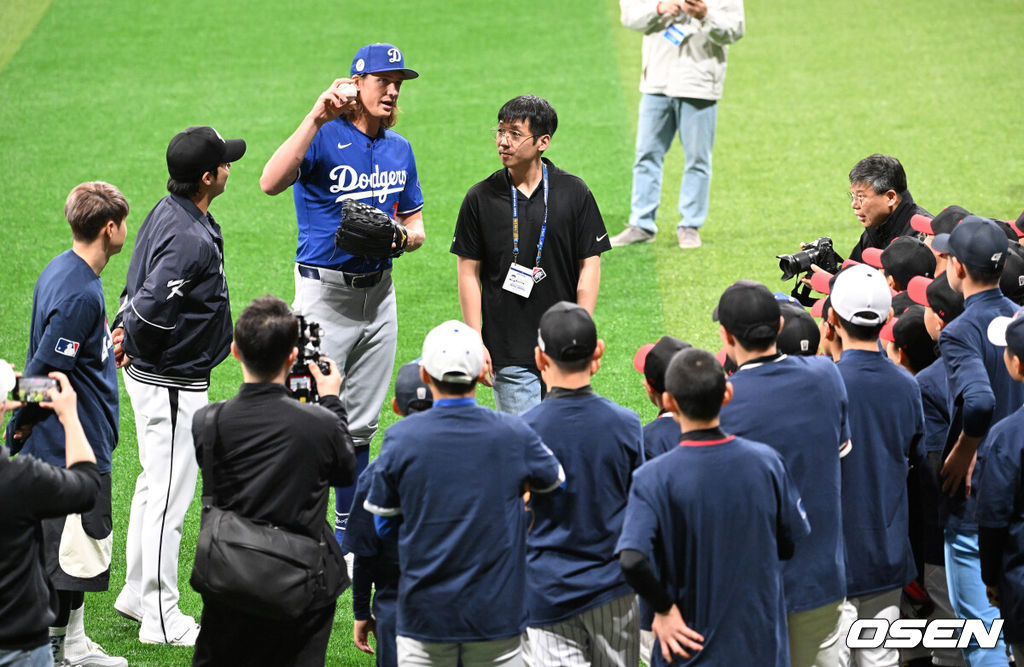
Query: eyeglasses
point(860, 199)
point(514, 136)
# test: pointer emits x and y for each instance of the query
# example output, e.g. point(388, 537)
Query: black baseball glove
point(368, 232)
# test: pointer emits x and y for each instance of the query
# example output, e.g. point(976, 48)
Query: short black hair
point(860, 332)
point(696, 381)
point(453, 388)
point(757, 344)
point(187, 189)
point(265, 334)
point(574, 366)
point(984, 276)
point(537, 110)
point(881, 172)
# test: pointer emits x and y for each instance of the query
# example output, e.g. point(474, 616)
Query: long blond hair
point(351, 114)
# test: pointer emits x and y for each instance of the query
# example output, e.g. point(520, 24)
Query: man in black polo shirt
point(881, 201)
point(528, 236)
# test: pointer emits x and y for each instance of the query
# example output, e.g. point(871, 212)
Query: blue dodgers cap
point(381, 57)
point(410, 392)
point(976, 242)
point(1008, 332)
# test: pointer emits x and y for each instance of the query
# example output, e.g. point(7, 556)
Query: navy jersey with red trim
point(711, 516)
point(809, 438)
point(456, 475)
point(70, 334)
point(1001, 505)
point(343, 163)
point(886, 424)
point(661, 435)
point(570, 550)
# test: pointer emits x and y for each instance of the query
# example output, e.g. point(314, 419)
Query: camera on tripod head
point(300, 381)
point(819, 253)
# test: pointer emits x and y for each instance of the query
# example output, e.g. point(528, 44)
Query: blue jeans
point(40, 656)
point(967, 594)
point(516, 390)
point(660, 118)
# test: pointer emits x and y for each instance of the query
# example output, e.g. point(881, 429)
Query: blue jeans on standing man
point(660, 118)
point(516, 390)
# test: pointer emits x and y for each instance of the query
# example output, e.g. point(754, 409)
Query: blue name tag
point(675, 34)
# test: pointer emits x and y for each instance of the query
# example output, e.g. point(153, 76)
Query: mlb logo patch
point(68, 348)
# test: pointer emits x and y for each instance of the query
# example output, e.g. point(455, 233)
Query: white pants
point(814, 635)
point(163, 492)
point(498, 652)
point(607, 635)
point(884, 605)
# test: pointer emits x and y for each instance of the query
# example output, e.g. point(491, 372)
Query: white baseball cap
point(860, 295)
point(453, 352)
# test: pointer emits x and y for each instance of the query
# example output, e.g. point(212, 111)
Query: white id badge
point(519, 280)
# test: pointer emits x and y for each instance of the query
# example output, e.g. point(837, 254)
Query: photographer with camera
point(881, 201)
point(275, 459)
point(32, 491)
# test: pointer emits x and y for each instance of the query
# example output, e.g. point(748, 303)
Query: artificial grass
point(97, 89)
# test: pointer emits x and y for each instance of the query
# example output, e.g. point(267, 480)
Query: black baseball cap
point(800, 334)
point(652, 360)
point(567, 332)
point(976, 242)
point(199, 149)
point(748, 309)
point(937, 295)
point(900, 302)
point(947, 219)
point(410, 392)
point(1011, 282)
point(909, 331)
point(907, 257)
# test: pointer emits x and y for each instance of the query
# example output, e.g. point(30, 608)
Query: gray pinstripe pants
point(605, 636)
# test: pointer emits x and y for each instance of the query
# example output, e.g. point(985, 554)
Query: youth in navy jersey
point(345, 149)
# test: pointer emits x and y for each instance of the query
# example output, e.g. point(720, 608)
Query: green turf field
point(94, 90)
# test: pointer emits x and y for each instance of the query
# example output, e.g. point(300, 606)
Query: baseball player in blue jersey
point(69, 333)
point(344, 149)
point(706, 527)
point(661, 434)
point(580, 611)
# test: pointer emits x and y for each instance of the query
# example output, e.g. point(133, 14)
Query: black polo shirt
point(483, 232)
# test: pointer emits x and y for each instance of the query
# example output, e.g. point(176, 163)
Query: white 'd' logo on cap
point(394, 56)
point(359, 65)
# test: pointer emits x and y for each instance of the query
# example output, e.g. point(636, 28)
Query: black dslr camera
point(819, 253)
point(300, 382)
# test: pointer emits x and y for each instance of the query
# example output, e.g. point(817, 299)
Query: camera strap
point(211, 438)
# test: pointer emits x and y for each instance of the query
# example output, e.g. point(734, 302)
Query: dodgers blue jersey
point(661, 435)
point(570, 550)
point(456, 474)
point(886, 423)
point(710, 516)
point(343, 163)
point(1001, 505)
point(70, 334)
point(767, 406)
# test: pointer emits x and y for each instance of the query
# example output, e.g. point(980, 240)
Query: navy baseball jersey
point(570, 556)
point(810, 439)
point(70, 334)
point(1001, 505)
point(343, 163)
point(980, 388)
point(711, 516)
point(661, 435)
point(886, 423)
point(456, 474)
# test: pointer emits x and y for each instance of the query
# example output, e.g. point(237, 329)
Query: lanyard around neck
point(515, 219)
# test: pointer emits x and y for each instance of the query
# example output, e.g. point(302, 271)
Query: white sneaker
point(688, 237)
point(184, 633)
point(123, 608)
point(87, 653)
point(630, 235)
point(350, 561)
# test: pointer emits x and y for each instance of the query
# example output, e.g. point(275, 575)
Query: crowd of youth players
point(749, 529)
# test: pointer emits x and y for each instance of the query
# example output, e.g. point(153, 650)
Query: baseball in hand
point(348, 91)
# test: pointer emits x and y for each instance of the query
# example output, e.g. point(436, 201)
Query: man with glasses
point(880, 199)
point(527, 236)
point(344, 149)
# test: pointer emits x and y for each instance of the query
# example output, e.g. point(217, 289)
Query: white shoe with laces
point(87, 653)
